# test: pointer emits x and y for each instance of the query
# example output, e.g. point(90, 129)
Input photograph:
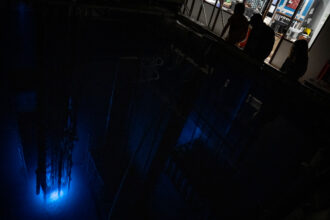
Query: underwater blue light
point(21, 7)
point(55, 195)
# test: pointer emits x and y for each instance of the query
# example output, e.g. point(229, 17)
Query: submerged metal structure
point(55, 160)
point(165, 100)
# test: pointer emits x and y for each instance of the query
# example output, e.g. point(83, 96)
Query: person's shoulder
point(230, 19)
point(238, 17)
point(268, 29)
point(285, 65)
point(233, 16)
point(242, 17)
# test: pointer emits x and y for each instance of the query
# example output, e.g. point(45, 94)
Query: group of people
point(260, 40)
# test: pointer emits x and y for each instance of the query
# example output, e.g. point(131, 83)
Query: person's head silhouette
point(256, 20)
point(239, 9)
point(299, 49)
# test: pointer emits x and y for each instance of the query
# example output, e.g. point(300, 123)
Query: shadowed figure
point(295, 65)
point(237, 24)
point(261, 40)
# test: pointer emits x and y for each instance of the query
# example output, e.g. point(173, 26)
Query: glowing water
point(54, 196)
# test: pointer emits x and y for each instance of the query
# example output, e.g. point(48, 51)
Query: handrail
point(272, 72)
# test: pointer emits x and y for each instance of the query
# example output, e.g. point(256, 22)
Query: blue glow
point(21, 7)
point(189, 133)
point(54, 196)
point(238, 108)
point(63, 205)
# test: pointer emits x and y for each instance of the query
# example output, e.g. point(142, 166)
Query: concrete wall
point(319, 53)
point(319, 18)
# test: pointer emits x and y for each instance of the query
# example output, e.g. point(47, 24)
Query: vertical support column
point(121, 100)
point(216, 17)
point(171, 134)
point(185, 6)
point(213, 10)
point(42, 148)
point(118, 116)
point(191, 8)
point(200, 10)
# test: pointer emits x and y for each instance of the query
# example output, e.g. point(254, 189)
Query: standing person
point(237, 24)
point(261, 39)
point(295, 65)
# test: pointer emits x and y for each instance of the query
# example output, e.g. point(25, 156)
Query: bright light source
point(55, 195)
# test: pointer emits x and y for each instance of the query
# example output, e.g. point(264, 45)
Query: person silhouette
point(237, 24)
point(261, 39)
point(295, 65)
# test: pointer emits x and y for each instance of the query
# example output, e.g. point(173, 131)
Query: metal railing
point(206, 14)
